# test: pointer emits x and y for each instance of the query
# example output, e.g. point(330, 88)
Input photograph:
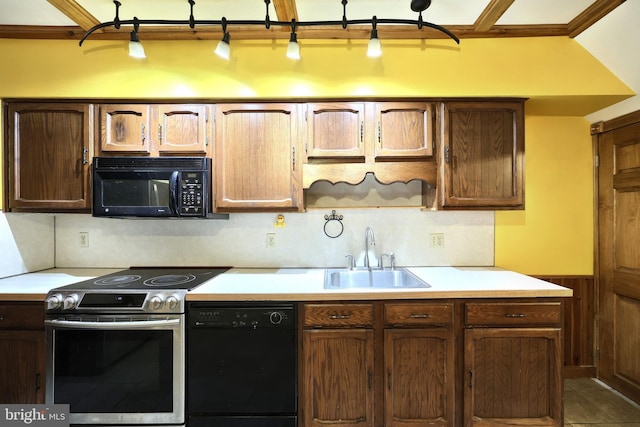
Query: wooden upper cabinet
point(124, 128)
point(375, 130)
point(403, 129)
point(347, 140)
point(49, 148)
point(182, 128)
point(482, 156)
point(256, 160)
point(335, 129)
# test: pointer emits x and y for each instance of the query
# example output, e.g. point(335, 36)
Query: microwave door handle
point(173, 193)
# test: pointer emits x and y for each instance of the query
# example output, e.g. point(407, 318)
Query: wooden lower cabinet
point(361, 370)
point(432, 363)
point(338, 376)
point(513, 364)
point(419, 381)
point(22, 352)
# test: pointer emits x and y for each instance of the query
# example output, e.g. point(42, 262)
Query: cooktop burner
point(150, 278)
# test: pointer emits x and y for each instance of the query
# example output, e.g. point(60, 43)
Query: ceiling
point(70, 19)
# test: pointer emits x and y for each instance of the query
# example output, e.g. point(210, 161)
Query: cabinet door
point(124, 128)
point(256, 157)
point(22, 355)
point(404, 129)
point(338, 378)
point(336, 129)
point(419, 380)
point(513, 376)
point(182, 128)
point(48, 156)
point(482, 155)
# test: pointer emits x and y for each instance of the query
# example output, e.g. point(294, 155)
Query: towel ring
point(333, 226)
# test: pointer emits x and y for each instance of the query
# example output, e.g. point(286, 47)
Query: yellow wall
point(552, 236)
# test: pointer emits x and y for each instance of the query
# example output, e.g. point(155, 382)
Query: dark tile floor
point(591, 403)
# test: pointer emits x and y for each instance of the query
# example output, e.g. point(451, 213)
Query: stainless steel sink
point(380, 279)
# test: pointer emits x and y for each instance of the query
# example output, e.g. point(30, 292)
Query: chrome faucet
point(368, 232)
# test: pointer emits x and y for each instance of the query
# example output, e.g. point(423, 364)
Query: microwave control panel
point(192, 194)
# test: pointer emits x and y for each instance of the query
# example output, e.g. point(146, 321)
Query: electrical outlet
point(271, 240)
point(437, 240)
point(84, 239)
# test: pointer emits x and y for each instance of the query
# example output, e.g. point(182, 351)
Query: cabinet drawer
point(21, 316)
point(418, 314)
point(336, 315)
point(513, 313)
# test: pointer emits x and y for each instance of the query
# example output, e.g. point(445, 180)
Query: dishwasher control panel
point(252, 317)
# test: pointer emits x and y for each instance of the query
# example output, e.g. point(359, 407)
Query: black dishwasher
point(241, 364)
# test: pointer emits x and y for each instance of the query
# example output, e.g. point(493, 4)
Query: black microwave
point(152, 187)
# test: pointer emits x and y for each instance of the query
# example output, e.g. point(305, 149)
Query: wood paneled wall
point(579, 325)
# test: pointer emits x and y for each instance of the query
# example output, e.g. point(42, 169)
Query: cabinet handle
point(389, 380)
point(85, 150)
point(379, 134)
point(38, 381)
point(420, 316)
point(446, 154)
point(293, 158)
point(515, 315)
point(160, 132)
point(370, 379)
point(339, 316)
point(361, 130)
point(470, 378)
point(142, 129)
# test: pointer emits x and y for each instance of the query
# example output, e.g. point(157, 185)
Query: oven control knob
point(70, 302)
point(54, 302)
point(172, 302)
point(275, 318)
point(156, 302)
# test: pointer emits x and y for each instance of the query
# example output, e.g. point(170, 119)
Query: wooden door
point(336, 130)
point(338, 378)
point(403, 129)
point(50, 146)
point(619, 256)
point(482, 155)
point(124, 128)
point(513, 376)
point(182, 128)
point(419, 382)
point(256, 160)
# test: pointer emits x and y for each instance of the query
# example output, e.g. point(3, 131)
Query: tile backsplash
point(39, 241)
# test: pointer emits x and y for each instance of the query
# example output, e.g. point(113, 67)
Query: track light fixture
point(135, 47)
point(293, 49)
point(223, 49)
point(374, 49)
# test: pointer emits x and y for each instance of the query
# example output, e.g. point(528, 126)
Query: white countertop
point(34, 286)
point(240, 284)
point(300, 284)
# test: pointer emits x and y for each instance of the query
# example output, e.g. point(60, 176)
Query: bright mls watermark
point(34, 415)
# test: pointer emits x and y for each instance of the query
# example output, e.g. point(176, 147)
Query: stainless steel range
point(116, 346)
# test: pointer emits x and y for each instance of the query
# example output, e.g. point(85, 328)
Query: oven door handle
point(111, 325)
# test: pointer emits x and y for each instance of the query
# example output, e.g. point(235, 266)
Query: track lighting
point(293, 49)
point(374, 49)
point(135, 47)
point(223, 49)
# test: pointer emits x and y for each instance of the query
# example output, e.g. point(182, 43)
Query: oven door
point(117, 369)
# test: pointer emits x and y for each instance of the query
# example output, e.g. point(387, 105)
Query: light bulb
point(223, 49)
